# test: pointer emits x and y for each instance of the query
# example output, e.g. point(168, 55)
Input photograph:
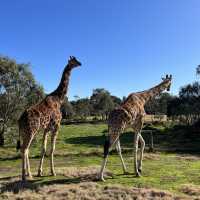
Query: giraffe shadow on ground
point(18, 185)
point(79, 175)
point(93, 141)
point(178, 139)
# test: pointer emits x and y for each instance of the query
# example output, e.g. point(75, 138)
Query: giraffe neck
point(153, 92)
point(62, 88)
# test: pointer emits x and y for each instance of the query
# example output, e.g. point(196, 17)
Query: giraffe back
point(126, 114)
point(45, 115)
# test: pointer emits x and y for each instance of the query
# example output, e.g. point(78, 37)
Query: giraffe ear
point(162, 78)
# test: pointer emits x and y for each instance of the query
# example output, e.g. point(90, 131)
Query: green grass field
point(81, 146)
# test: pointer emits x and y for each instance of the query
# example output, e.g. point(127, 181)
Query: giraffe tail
point(106, 147)
point(18, 146)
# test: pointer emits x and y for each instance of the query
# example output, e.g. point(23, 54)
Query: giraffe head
point(73, 62)
point(167, 82)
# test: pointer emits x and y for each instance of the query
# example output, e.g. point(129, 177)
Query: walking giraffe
point(45, 115)
point(131, 113)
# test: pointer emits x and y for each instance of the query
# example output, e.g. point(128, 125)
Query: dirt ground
point(81, 184)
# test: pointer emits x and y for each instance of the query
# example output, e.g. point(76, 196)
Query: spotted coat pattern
point(45, 115)
point(131, 114)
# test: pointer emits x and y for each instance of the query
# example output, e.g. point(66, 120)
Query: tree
point(116, 100)
point(102, 102)
point(67, 109)
point(158, 105)
point(187, 105)
point(198, 70)
point(18, 90)
point(82, 107)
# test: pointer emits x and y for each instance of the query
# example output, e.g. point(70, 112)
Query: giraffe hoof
point(39, 174)
point(138, 174)
point(53, 174)
point(126, 173)
point(30, 177)
point(140, 171)
point(102, 179)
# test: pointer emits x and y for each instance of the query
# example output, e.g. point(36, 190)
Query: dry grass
point(192, 190)
point(187, 157)
point(84, 189)
point(83, 173)
point(90, 191)
point(152, 156)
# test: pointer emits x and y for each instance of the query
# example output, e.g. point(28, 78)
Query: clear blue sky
point(124, 45)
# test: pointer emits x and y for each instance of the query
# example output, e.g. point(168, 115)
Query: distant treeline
point(19, 90)
point(185, 106)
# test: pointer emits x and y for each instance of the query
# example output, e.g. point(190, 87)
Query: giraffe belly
point(54, 122)
point(44, 121)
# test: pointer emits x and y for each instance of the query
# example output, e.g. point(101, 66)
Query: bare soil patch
point(83, 189)
point(152, 156)
point(187, 157)
point(91, 191)
point(190, 189)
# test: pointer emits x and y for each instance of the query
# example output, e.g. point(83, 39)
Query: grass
point(81, 146)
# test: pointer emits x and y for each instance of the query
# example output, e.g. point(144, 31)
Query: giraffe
point(130, 113)
point(47, 116)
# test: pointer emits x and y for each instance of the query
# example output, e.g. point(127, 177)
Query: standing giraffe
point(131, 113)
point(45, 115)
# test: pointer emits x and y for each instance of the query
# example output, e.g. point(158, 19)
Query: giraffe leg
point(28, 165)
point(43, 151)
point(53, 142)
point(103, 166)
point(25, 158)
point(137, 129)
point(107, 146)
point(135, 154)
point(142, 143)
point(118, 147)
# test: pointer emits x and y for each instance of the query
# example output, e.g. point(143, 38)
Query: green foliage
point(67, 109)
point(198, 70)
point(18, 90)
point(158, 105)
point(82, 107)
point(102, 102)
point(99, 104)
point(187, 104)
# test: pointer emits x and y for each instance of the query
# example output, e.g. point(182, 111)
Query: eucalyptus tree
point(18, 89)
